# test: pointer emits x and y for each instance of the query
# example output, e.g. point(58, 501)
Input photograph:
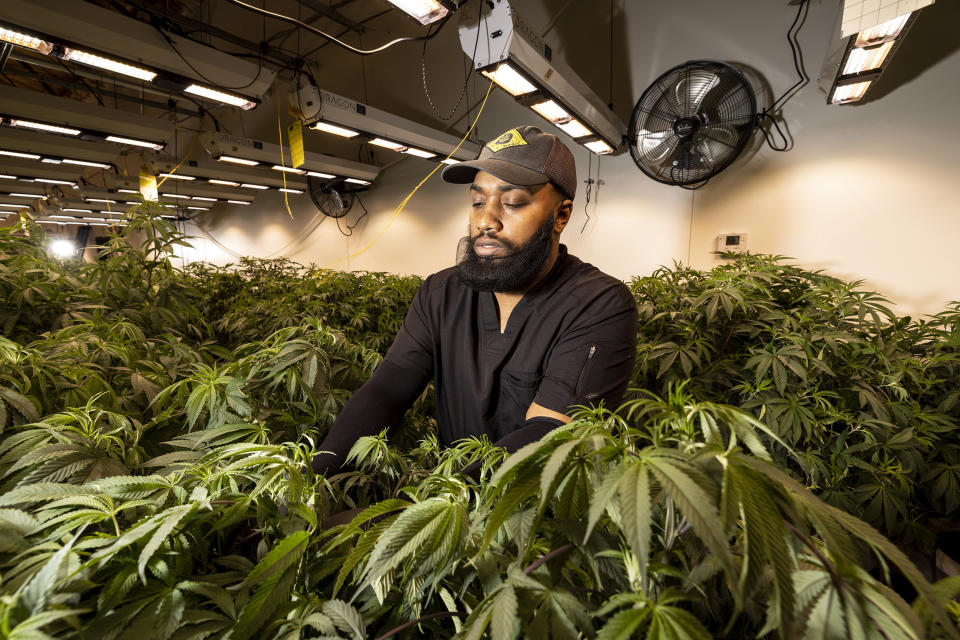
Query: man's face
point(513, 233)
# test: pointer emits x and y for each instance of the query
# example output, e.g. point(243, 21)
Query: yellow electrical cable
point(403, 203)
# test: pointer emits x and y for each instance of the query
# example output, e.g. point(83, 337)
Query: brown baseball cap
point(522, 156)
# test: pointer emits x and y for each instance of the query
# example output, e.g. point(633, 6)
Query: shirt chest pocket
point(517, 391)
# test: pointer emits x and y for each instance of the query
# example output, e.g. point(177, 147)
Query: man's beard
point(512, 272)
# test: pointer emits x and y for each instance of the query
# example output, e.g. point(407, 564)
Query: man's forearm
point(379, 403)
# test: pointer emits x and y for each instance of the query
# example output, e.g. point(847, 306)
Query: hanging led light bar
point(343, 132)
point(177, 176)
point(425, 11)
point(100, 62)
point(13, 36)
point(234, 160)
point(156, 146)
point(220, 96)
point(19, 154)
point(278, 167)
point(857, 60)
point(512, 56)
point(41, 126)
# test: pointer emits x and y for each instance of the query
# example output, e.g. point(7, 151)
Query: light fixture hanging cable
point(334, 39)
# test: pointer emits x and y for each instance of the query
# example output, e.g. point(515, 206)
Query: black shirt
point(569, 341)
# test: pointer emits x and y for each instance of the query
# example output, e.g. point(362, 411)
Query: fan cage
point(692, 122)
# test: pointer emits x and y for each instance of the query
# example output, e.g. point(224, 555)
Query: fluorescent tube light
point(357, 181)
point(51, 161)
point(244, 202)
point(450, 161)
point(97, 224)
point(285, 190)
point(93, 60)
point(59, 217)
point(200, 208)
point(317, 174)
point(174, 195)
point(19, 154)
point(884, 31)
point(551, 111)
point(599, 146)
point(203, 198)
point(77, 210)
point(423, 11)
point(137, 143)
point(247, 185)
point(176, 176)
point(127, 191)
point(85, 163)
point(280, 167)
point(235, 160)
point(105, 200)
point(40, 126)
point(335, 130)
point(387, 144)
point(228, 183)
point(861, 60)
point(220, 96)
point(12, 206)
point(52, 181)
point(32, 196)
point(850, 92)
point(24, 40)
point(4, 176)
point(420, 153)
point(510, 80)
point(574, 129)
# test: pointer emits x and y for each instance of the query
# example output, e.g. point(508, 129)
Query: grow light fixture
point(849, 92)
point(128, 191)
point(280, 167)
point(387, 144)
point(156, 146)
point(55, 181)
point(175, 195)
point(176, 176)
point(424, 11)
point(509, 79)
point(25, 40)
point(60, 217)
point(420, 153)
point(199, 208)
point(250, 185)
point(220, 96)
point(77, 210)
point(450, 161)
point(866, 59)
point(343, 132)
point(344, 117)
point(515, 59)
point(103, 200)
point(42, 126)
point(4, 176)
point(203, 198)
point(883, 32)
point(12, 206)
point(357, 181)
point(235, 160)
point(286, 190)
point(93, 60)
point(856, 60)
point(318, 174)
point(227, 183)
point(83, 163)
point(19, 154)
point(32, 196)
point(243, 202)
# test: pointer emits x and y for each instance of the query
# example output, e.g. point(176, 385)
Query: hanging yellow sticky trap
point(148, 185)
point(295, 136)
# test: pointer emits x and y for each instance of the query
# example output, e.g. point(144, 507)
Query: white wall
point(867, 192)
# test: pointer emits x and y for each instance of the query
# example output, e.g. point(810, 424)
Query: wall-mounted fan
point(334, 198)
point(692, 122)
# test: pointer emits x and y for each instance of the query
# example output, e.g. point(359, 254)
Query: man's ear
point(563, 213)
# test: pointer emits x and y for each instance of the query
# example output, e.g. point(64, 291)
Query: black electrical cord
point(351, 227)
point(81, 80)
point(463, 90)
point(323, 34)
point(783, 144)
point(205, 78)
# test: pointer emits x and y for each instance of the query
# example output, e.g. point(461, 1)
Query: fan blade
point(692, 88)
point(655, 145)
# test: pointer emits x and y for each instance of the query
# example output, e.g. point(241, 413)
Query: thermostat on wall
point(735, 242)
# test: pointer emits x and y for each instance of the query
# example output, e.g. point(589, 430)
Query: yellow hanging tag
point(295, 135)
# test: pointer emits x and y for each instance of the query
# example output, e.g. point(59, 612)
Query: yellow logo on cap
point(511, 138)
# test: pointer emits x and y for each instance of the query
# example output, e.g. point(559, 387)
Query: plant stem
point(547, 558)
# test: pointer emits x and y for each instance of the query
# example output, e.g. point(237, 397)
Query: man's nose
point(487, 218)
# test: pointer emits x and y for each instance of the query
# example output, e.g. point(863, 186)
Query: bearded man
point(519, 331)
